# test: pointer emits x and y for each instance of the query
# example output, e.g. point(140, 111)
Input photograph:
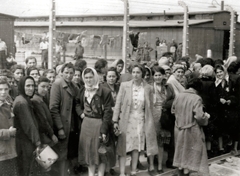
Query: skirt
point(9, 167)
point(89, 141)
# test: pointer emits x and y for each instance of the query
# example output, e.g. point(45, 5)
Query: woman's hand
point(54, 139)
point(12, 131)
point(115, 126)
point(222, 100)
point(61, 134)
point(104, 137)
point(82, 115)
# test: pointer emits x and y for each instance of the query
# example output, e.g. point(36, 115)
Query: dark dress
point(227, 115)
point(207, 94)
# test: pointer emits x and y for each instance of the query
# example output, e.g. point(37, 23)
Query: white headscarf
point(229, 61)
point(90, 91)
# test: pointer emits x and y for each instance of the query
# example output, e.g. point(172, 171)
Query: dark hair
point(31, 69)
point(194, 82)
point(233, 68)
point(10, 74)
point(209, 61)
point(43, 79)
point(4, 81)
point(49, 71)
point(220, 67)
point(67, 65)
point(143, 69)
point(218, 62)
point(101, 63)
point(30, 57)
point(80, 63)
point(88, 70)
point(184, 59)
point(16, 67)
point(156, 69)
point(114, 70)
point(120, 61)
point(78, 69)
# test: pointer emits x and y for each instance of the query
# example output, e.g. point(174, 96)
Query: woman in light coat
point(190, 148)
point(133, 117)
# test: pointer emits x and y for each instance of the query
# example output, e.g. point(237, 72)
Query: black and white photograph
point(119, 88)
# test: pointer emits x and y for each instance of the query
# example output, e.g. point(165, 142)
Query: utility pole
point(185, 29)
point(52, 38)
point(232, 31)
point(125, 33)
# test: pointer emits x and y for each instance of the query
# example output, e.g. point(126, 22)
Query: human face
point(111, 77)
point(167, 73)
point(77, 76)
point(67, 74)
point(4, 89)
point(178, 74)
point(104, 70)
point(10, 81)
point(147, 76)
point(220, 74)
point(89, 79)
point(34, 74)
point(136, 74)
point(18, 74)
point(29, 87)
point(158, 77)
point(51, 77)
point(31, 63)
point(43, 88)
point(119, 68)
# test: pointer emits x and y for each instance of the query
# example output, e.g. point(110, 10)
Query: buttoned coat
point(122, 111)
point(61, 106)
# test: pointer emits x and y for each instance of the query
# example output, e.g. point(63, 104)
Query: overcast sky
point(86, 7)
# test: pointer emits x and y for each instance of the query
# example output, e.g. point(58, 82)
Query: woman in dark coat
point(43, 114)
point(94, 106)
point(226, 107)
point(207, 93)
point(27, 136)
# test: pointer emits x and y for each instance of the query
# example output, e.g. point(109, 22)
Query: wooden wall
point(114, 51)
point(7, 31)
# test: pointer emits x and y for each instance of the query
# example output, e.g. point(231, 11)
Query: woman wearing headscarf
point(27, 136)
point(174, 86)
point(207, 77)
point(8, 162)
point(94, 106)
point(148, 75)
point(227, 108)
point(229, 61)
point(133, 117)
point(190, 148)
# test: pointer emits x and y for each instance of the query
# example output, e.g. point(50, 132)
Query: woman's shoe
point(151, 172)
point(160, 171)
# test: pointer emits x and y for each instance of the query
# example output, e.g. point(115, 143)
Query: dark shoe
point(151, 173)
point(140, 166)
point(160, 171)
point(112, 172)
point(221, 152)
point(169, 165)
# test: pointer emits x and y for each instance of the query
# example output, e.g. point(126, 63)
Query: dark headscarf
point(21, 86)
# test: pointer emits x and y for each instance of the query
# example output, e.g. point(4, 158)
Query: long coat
point(44, 119)
point(122, 112)
point(61, 106)
point(190, 148)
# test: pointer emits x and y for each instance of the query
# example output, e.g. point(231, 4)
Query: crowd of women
point(93, 117)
